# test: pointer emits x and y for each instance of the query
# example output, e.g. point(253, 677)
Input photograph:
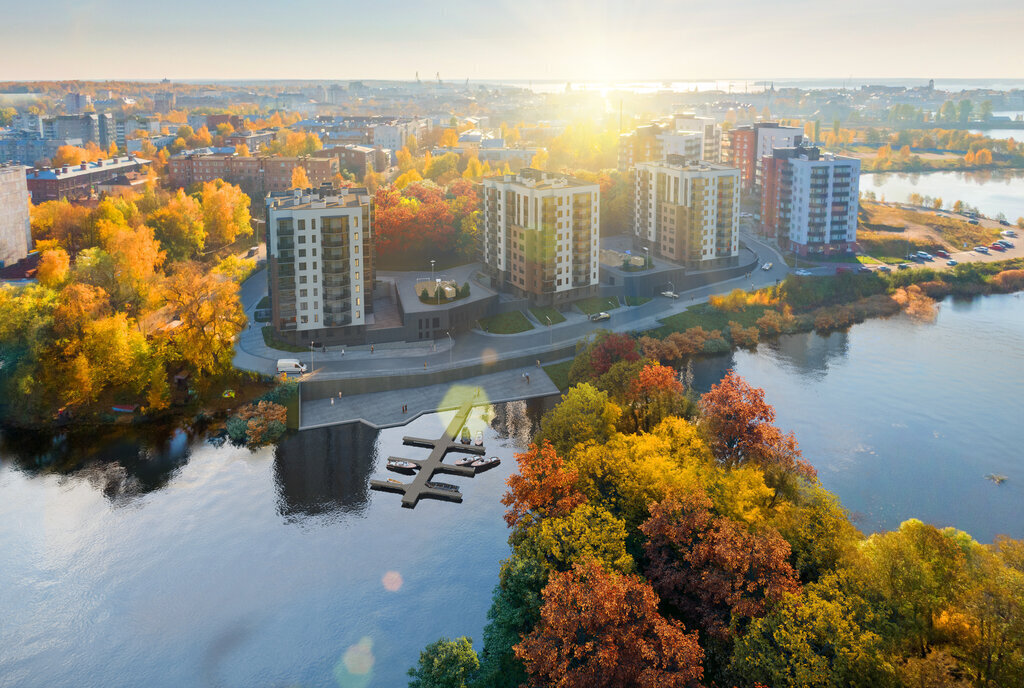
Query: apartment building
point(810, 200)
point(320, 258)
point(256, 174)
point(688, 212)
point(539, 237)
point(684, 144)
point(356, 158)
point(15, 231)
point(749, 143)
point(709, 129)
point(640, 145)
point(78, 181)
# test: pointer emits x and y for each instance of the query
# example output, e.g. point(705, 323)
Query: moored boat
point(479, 441)
point(465, 436)
point(447, 487)
point(395, 465)
point(484, 464)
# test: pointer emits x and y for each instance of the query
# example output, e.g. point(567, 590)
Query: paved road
point(476, 346)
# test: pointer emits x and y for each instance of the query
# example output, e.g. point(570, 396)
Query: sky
point(592, 40)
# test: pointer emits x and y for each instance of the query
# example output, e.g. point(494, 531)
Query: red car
point(942, 254)
point(997, 247)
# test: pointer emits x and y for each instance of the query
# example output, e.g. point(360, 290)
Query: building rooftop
point(678, 162)
point(323, 197)
point(86, 168)
point(538, 179)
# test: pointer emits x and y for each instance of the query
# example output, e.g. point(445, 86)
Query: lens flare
point(392, 581)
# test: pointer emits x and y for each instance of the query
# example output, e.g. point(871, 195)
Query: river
point(992, 192)
point(165, 561)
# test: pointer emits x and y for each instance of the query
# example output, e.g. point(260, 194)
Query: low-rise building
point(810, 200)
point(687, 212)
point(320, 257)
point(15, 230)
point(256, 174)
point(356, 158)
point(78, 181)
point(539, 236)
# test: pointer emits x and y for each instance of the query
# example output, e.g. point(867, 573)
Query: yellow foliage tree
point(300, 180)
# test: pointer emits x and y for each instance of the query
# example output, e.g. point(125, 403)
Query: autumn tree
point(225, 212)
point(740, 430)
point(654, 394)
point(542, 487)
point(712, 569)
point(603, 630)
point(583, 415)
point(54, 266)
point(180, 227)
point(587, 533)
point(300, 180)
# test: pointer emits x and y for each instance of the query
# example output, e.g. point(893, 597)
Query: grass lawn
point(637, 300)
point(559, 374)
point(844, 258)
point(542, 313)
point(274, 343)
point(597, 304)
point(703, 315)
point(506, 323)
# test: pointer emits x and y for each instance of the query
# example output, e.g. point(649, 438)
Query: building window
point(304, 319)
point(357, 275)
point(316, 292)
point(303, 293)
point(357, 314)
point(302, 253)
point(359, 301)
point(357, 262)
point(302, 279)
point(302, 238)
point(303, 306)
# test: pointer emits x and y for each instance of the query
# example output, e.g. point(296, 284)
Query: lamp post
point(432, 269)
point(451, 347)
point(647, 258)
point(311, 366)
point(551, 335)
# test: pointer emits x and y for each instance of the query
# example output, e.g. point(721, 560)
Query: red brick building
point(254, 174)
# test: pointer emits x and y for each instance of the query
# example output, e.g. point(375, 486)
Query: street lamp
point(432, 269)
point(551, 334)
point(311, 366)
point(647, 257)
point(451, 347)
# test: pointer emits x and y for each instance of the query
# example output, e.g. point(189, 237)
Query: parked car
point(885, 268)
point(290, 365)
point(951, 262)
point(997, 247)
point(252, 252)
point(981, 249)
point(904, 266)
point(1008, 233)
point(924, 255)
point(1005, 243)
point(1004, 223)
point(942, 254)
point(802, 272)
point(841, 269)
point(670, 294)
point(972, 222)
point(598, 317)
point(864, 270)
point(767, 266)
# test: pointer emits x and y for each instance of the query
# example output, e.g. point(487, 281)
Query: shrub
point(771, 323)
point(743, 336)
point(1009, 280)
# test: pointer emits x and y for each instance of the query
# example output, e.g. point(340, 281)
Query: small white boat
point(403, 466)
point(447, 487)
point(465, 461)
point(484, 464)
point(479, 441)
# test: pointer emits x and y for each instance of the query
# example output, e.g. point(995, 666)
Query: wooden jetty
point(418, 489)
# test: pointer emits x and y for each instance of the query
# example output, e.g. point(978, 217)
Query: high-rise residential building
point(320, 255)
point(77, 103)
point(164, 102)
point(688, 212)
point(810, 200)
point(710, 130)
point(539, 237)
point(685, 144)
point(640, 145)
point(749, 143)
point(15, 231)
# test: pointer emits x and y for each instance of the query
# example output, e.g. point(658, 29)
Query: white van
point(290, 365)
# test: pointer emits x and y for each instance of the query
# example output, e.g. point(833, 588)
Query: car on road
point(1008, 233)
point(942, 254)
point(864, 270)
point(981, 249)
point(252, 252)
point(290, 365)
point(997, 247)
point(951, 262)
point(670, 294)
point(1004, 223)
point(842, 268)
point(598, 317)
point(802, 272)
point(767, 266)
point(1005, 243)
point(885, 268)
point(904, 266)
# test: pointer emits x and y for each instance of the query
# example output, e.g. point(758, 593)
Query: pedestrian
point(339, 396)
point(332, 401)
point(343, 353)
point(371, 348)
point(538, 363)
point(527, 378)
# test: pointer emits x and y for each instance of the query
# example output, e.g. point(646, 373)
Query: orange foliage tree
point(711, 568)
point(543, 487)
point(603, 630)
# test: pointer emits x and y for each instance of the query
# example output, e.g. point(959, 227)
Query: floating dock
point(413, 492)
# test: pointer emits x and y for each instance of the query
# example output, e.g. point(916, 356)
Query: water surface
point(992, 192)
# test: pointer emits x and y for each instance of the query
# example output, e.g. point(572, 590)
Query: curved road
point(475, 346)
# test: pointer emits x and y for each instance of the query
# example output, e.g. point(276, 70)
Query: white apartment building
point(821, 216)
point(688, 145)
point(771, 137)
point(688, 213)
point(320, 259)
point(710, 130)
point(539, 237)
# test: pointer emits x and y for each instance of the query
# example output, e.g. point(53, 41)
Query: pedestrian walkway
point(384, 409)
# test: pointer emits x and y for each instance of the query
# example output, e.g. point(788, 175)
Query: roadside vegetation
point(506, 323)
point(271, 340)
point(546, 313)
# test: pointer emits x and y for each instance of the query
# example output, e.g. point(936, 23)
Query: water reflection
point(325, 470)
point(122, 463)
point(519, 421)
point(809, 353)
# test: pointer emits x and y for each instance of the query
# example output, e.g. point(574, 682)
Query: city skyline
point(574, 41)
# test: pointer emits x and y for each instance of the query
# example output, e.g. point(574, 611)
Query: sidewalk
point(384, 409)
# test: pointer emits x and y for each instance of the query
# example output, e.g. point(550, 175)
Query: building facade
point(15, 230)
point(749, 143)
point(320, 260)
point(710, 131)
point(640, 145)
point(688, 145)
point(78, 181)
point(687, 213)
point(260, 174)
point(539, 238)
point(810, 200)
